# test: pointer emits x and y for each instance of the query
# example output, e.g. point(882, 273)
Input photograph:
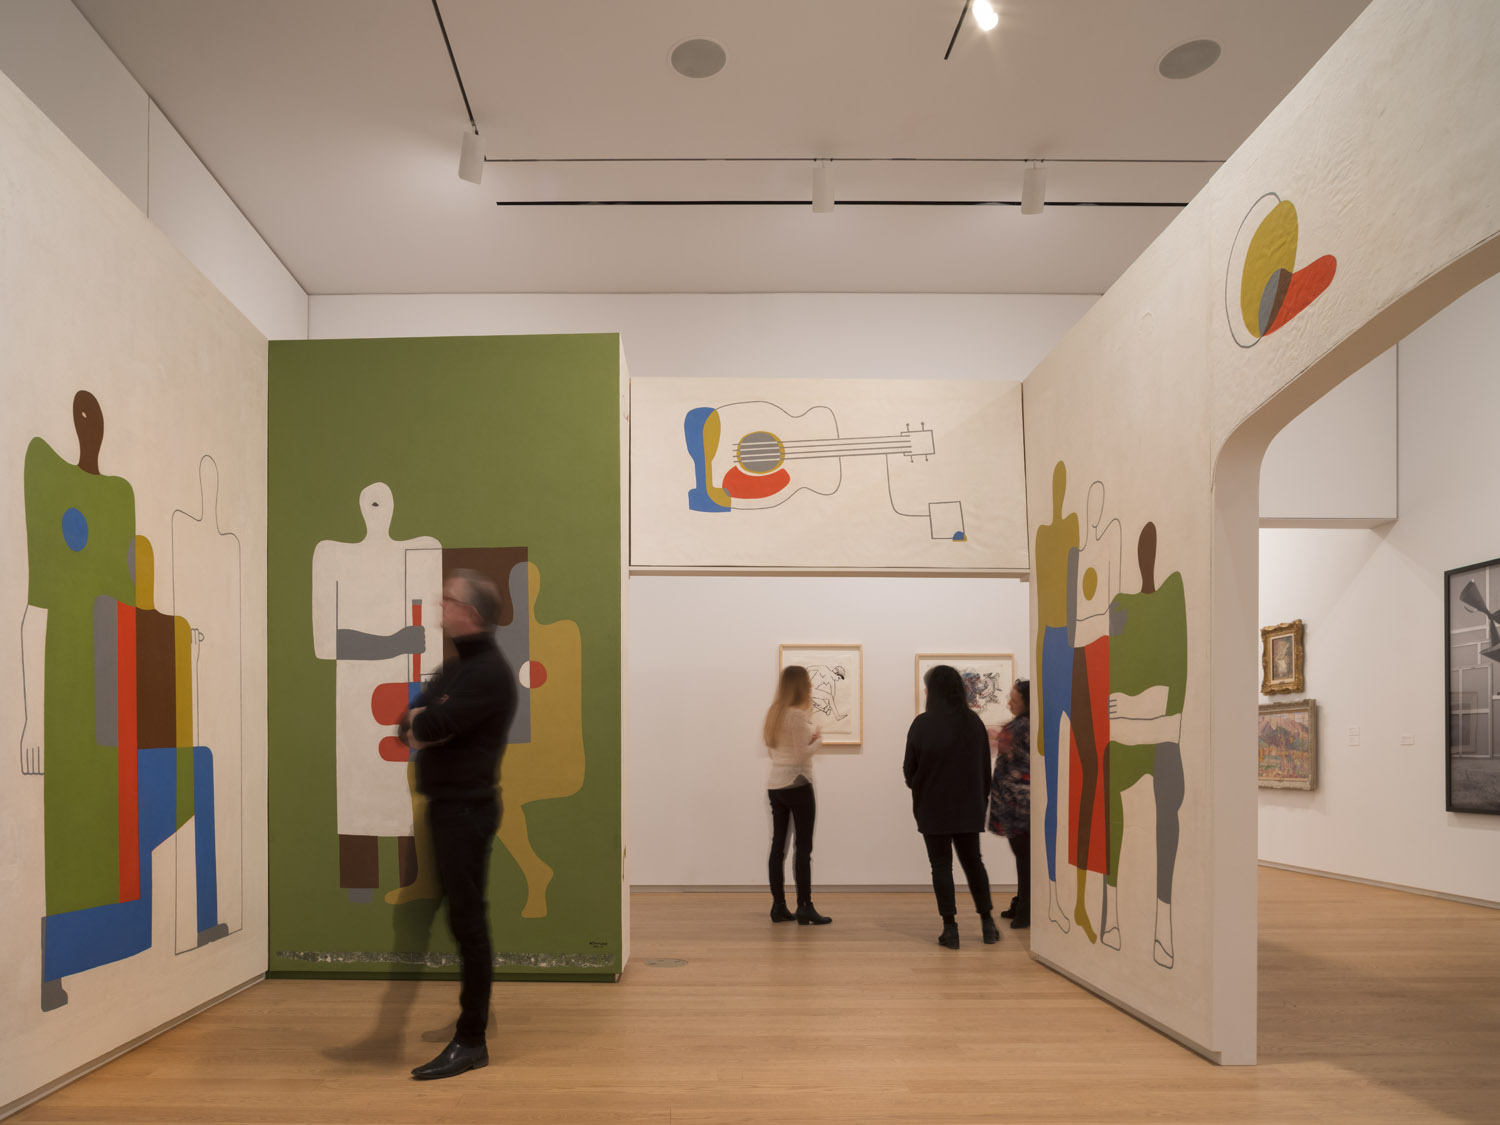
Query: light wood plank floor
point(1374, 1006)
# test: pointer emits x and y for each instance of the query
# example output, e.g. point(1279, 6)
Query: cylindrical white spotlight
point(822, 186)
point(471, 158)
point(985, 15)
point(1033, 189)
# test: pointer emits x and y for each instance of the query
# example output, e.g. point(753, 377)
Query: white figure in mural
point(376, 612)
point(206, 591)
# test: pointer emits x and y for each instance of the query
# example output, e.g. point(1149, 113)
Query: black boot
point(990, 930)
point(779, 912)
point(1010, 911)
point(949, 937)
point(1022, 920)
point(807, 916)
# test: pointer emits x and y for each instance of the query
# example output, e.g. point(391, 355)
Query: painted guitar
point(771, 455)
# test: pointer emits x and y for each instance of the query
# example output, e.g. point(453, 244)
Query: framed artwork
point(987, 677)
point(1473, 648)
point(1281, 658)
point(1287, 737)
point(838, 688)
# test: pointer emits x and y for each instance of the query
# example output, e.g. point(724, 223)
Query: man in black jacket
point(457, 729)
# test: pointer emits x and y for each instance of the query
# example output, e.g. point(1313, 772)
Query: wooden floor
point(1374, 1006)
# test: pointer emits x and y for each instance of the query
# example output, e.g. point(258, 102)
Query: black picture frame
point(1471, 668)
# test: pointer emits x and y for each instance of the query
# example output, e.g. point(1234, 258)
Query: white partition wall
point(132, 823)
point(1345, 220)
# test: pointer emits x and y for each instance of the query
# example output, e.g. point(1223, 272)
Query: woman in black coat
point(947, 768)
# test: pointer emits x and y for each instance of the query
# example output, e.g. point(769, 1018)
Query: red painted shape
point(1305, 287)
point(129, 806)
point(416, 660)
point(742, 486)
point(388, 702)
point(1096, 657)
point(393, 749)
point(536, 674)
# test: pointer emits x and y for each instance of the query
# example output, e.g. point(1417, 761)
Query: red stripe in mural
point(130, 839)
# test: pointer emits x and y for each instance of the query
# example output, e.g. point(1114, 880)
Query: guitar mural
point(756, 455)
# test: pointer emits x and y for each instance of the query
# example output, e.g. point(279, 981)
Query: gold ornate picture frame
point(1281, 657)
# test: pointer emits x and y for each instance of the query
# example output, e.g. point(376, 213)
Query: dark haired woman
point(792, 738)
point(947, 768)
point(1010, 798)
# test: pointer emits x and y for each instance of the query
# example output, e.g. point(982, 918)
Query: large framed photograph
point(1281, 658)
point(987, 678)
point(838, 688)
point(1471, 606)
point(1288, 741)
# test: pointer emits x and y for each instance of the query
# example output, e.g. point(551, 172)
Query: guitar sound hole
point(760, 452)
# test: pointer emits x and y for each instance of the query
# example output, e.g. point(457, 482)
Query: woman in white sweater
point(792, 739)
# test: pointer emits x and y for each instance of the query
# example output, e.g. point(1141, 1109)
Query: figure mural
point(108, 689)
point(391, 647)
point(1115, 665)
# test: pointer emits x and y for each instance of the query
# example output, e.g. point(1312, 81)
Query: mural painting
point(368, 615)
point(1113, 664)
point(113, 691)
point(1263, 288)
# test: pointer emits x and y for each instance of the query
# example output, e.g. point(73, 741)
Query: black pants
point(1020, 847)
point(462, 834)
point(940, 849)
point(797, 806)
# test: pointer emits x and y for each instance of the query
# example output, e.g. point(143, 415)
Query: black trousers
point(798, 807)
point(1020, 847)
point(463, 832)
point(940, 849)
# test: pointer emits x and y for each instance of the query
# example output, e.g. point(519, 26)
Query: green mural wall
point(391, 459)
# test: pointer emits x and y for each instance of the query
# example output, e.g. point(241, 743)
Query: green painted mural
point(396, 462)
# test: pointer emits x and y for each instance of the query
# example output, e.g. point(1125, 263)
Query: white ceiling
point(335, 125)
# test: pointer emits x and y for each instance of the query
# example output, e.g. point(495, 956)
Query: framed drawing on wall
point(838, 688)
point(1472, 603)
point(1281, 658)
point(987, 679)
point(1288, 740)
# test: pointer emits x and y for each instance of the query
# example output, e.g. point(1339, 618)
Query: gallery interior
point(1145, 352)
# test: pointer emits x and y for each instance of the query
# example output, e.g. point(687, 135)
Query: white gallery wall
point(49, 50)
point(1372, 606)
point(153, 902)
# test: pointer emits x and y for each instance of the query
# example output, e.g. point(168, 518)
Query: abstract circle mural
point(1263, 289)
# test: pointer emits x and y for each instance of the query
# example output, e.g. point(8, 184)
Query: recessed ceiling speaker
point(1189, 59)
point(698, 58)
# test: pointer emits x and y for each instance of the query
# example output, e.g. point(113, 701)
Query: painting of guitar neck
point(877, 474)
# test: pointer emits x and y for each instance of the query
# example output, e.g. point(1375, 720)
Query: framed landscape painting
point(1288, 742)
point(1473, 648)
point(838, 676)
point(1281, 658)
point(987, 679)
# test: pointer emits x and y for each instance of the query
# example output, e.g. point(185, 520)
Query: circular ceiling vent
point(698, 58)
point(1189, 59)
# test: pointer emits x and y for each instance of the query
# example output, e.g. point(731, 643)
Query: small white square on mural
point(947, 518)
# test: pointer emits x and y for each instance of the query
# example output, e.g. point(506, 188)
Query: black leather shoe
point(779, 913)
point(1021, 921)
point(990, 931)
point(1010, 911)
point(455, 1059)
point(949, 937)
point(807, 916)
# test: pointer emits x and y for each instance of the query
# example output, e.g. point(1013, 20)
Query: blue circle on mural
point(75, 529)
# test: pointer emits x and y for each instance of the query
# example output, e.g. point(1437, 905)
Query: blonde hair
point(793, 689)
